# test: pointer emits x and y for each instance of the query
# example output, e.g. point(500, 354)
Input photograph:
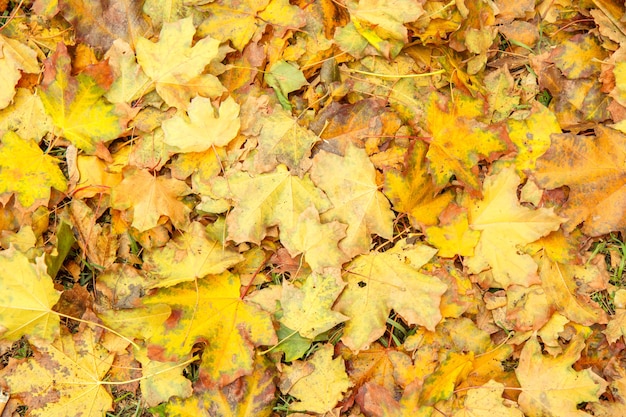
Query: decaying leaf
point(64, 379)
point(351, 208)
point(594, 176)
point(413, 191)
point(459, 141)
point(211, 310)
point(76, 105)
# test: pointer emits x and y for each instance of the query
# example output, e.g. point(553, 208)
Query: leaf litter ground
point(359, 208)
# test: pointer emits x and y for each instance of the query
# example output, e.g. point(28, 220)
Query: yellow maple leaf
point(26, 171)
point(580, 56)
point(187, 257)
point(454, 236)
point(176, 67)
point(318, 242)
point(26, 116)
point(26, 299)
point(379, 282)
point(350, 184)
point(65, 379)
point(505, 226)
point(565, 284)
point(15, 57)
point(308, 309)
point(440, 384)
point(75, 104)
point(95, 177)
point(234, 21)
point(282, 140)
point(261, 201)
point(487, 401)
point(550, 386)
point(211, 310)
point(252, 396)
point(241, 21)
point(162, 380)
point(202, 129)
point(413, 191)
point(382, 22)
point(319, 388)
point(130, 81)
point(459, 141)
point(531, 136)
point(159, 196)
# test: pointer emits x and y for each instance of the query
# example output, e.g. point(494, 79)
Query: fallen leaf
point(211, 310)
point(350, 184)
point(283, 141)
point(308, 309)
point(130, 81)
point(486, 401)
point(76, 105)
point(176, 67)
point(549, 384)
point(413, 191)
point(318, 242)
point(376, 284)
point(64, 379)
point(14, 58)
point(202, 129)
point(27, 172)
point(579, 57)
point(454, 236)
point(234, 21)
point(27, 299)
point(564, 285)
point(162, 380)
point(273, 199)
point(159, 197)
point(26, 116)
point(459, 141)
point(100, 23)
point(187, 257)
point(594, 176)
point(505, 226)
point(531, 137)
point(285, 78)
point(96, 241)
point(249, 396)
point(319, 390)
point(440, 384)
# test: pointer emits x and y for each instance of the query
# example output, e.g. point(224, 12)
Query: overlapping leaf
point(78, 110)
point(27, 299)
point(176, 67)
